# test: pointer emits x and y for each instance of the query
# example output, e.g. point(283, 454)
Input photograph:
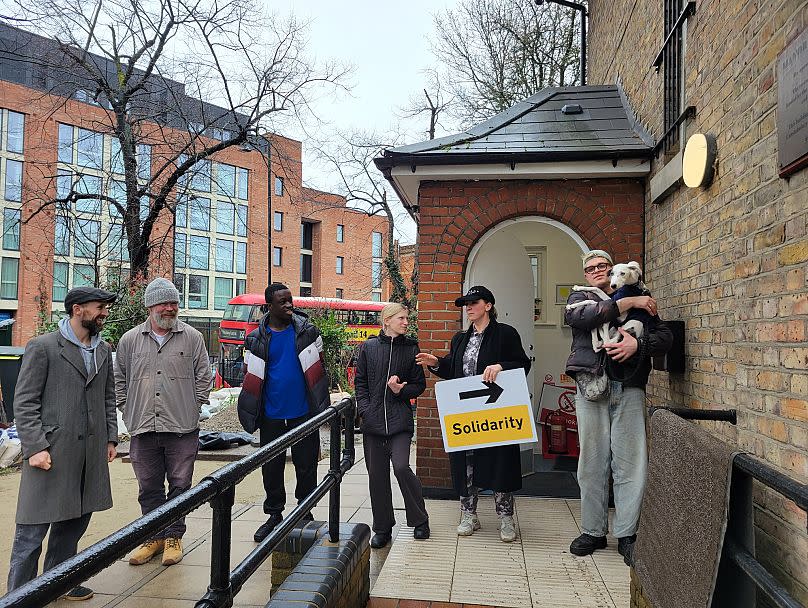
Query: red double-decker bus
point(244, 312)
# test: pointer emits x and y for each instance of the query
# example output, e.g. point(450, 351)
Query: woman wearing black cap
point(486, 347)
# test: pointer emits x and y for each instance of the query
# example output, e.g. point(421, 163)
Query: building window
point(200, 213)
point(241, 257)
point(118, 243)
point(85, 241)
point(83, 275)
point(340, 264)
point(277, 256)
point(278, 186)
point(60, 270)
point(90, 149)
point(241, 286)
point(241, 220)
point(16, 132)
point(8, 278)
point(277, 221)
point(11, 229)
point(13, 189)
point(307, 236)
point(224, 256)
point(180, 212)
point(340, 233)
point(179, 283)
point(339, 293)
point(226, 179)
point(225, 217)
point(243, 182)
point(91, 186)
point(180, 249)
point(197, 291)
point(61, 242)
point(65, 146)
point(199, 250)
point(376, 297)
point(377, 245)
point(222, 292)
point(305, 267)
point(376, 275)
point(305, 292)
point(671, 59)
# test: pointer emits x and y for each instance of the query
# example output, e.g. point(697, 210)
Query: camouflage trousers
point(503, 501)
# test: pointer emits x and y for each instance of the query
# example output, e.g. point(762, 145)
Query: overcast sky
point(388, 45)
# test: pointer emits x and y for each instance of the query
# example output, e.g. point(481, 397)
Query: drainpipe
point(584, 15)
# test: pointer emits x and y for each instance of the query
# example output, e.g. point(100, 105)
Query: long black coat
point(384, 413)
point(498, 468)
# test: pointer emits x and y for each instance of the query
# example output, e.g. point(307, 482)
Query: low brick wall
point(309, 570)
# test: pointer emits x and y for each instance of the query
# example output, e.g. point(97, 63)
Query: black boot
point(586, 544)
point(380, 539)
point(625, 547)
point(421, 532)
point(268, 526)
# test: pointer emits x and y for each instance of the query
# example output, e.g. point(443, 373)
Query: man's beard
point(92, 326)
point(164, 322)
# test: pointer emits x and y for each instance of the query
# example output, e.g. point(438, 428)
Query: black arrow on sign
point(493, 391)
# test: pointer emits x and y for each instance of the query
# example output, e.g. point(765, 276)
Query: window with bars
point(670, 59)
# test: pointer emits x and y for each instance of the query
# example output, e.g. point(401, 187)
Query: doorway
point(530, 263)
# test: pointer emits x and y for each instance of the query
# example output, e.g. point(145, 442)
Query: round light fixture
point(698, 161)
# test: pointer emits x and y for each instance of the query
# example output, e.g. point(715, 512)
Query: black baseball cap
point(478, 292)
point(82, 295)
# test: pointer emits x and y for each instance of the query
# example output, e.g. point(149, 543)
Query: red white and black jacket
point(309, 346)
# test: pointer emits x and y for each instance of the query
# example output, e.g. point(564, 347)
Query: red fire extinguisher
point(557, 424)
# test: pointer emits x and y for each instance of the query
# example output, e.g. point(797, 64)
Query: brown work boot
point(146, 551)
point(172, 554)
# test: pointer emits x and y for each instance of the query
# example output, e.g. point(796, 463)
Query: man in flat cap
point(162, 379)
point(64, 407)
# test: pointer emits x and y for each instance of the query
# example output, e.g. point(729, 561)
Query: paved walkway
point(534, 571)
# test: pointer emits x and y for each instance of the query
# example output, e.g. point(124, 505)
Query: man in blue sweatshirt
point(284, 386)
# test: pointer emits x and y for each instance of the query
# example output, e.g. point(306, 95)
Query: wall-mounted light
point(698, 160)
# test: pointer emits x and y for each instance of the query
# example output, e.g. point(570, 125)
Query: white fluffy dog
point(626, 280)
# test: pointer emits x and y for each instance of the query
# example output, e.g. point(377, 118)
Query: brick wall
point(607, 214)
point(730, 260)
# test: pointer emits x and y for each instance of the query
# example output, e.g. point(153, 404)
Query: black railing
point(737, 559)
point(218, 488)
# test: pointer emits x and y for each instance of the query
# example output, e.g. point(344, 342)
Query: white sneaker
point(469, 522)
point(507, 529)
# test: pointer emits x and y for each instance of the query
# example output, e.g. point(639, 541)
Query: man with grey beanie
point(162, 379)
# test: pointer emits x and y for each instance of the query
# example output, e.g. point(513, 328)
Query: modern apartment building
point(216, 245)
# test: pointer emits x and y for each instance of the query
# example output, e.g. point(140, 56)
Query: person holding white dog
point(610, 404)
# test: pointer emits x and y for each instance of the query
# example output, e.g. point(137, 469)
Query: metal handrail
point(771, 478)
point(219, 489)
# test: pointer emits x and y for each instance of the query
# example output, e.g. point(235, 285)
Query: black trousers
point(305, 455)
point(379, 452)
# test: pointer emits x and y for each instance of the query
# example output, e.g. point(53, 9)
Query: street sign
point(477, 414)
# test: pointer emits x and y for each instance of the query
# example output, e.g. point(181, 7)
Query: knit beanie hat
point(160, 291)
point(596, 253)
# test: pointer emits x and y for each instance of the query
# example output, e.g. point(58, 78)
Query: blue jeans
point(612, 436)
point(62, 544)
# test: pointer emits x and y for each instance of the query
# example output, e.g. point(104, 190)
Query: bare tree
point(351, 158)
point(498, 52)
point(435, 102)
point(179, 80)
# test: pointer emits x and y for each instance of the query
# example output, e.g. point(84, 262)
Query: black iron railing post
point(220, 593)
point(334, 470)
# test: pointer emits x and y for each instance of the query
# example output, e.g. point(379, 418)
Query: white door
point(503, 266)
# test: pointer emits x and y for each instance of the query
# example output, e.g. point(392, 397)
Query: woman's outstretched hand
point(426, 359)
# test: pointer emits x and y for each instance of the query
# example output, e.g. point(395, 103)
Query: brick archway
point(607, 214)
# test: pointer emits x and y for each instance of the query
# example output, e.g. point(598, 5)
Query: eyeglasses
point(596, 268)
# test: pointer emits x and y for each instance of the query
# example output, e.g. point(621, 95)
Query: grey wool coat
point(58, 408)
